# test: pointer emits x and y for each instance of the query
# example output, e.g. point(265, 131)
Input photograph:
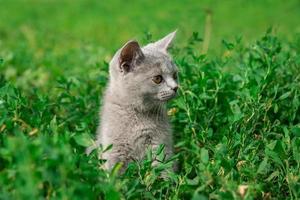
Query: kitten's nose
point(175, 88)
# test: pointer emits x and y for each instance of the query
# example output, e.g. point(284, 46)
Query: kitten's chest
point(130, 127)
point(150, 128)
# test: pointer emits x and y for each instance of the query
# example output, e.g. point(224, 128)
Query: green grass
point(236, 121)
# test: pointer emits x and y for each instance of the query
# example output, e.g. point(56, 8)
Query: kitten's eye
point(175, 76)
point(157, 79)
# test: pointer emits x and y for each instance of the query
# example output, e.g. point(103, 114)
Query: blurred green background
point(40, 40)
point(108, 24)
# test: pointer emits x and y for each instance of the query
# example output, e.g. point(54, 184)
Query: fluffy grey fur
point(133, 115)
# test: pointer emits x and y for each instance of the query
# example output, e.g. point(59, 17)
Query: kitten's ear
point(131, 53)
point(165, 43)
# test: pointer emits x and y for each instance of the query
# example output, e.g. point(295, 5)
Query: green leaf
point(109, 147)
point(204, 155)
point(274, 157)
point(180, 103)
point(198, 196)
point(193, 182)
point(280, 150)
point(285, 95)
point(160, 149)
point(228, 45)
point(296, 131)
point(116, 169)
point(262, 168)
point(273, 175)
point(83, 140)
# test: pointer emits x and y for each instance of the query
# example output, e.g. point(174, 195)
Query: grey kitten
point(133, 115)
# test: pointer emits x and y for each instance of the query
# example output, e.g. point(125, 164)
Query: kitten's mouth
point(167, 97)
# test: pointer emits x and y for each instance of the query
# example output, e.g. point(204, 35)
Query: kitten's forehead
point(167, 66)
point(160, 62)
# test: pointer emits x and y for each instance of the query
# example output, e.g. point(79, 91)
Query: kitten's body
point(133, 131)
point(133, 115)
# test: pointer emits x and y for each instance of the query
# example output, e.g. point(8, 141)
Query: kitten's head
point(146, 73)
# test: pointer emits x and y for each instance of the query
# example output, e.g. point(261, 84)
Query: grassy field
point(236, 121)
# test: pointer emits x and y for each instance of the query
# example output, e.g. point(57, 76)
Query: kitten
point(133, 115)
